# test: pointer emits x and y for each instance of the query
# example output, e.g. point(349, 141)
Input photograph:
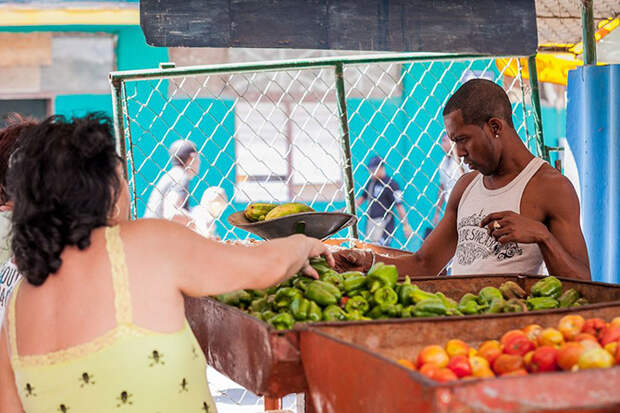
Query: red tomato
point(595, 326)
point(611, 334)
point(518, 345)
point(460, 366)
point(545, 359)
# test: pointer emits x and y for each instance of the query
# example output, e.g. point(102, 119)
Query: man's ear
point(496, 125)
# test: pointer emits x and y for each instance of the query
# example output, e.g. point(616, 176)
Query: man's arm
point(559, 237)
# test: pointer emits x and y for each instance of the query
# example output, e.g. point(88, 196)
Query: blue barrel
point(593, 133)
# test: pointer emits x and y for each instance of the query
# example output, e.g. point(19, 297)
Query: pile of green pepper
point(354, 296)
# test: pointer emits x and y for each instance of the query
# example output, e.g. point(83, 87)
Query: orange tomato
point(429, 370)
point(585, 336)
point(532, 331)
point(568, 355)
point(611, 334)
point(445, 374)
point(570, 326)
point(596, 358)
point(611, 348)
point(596, 327)
point(518, 345)
point(433, 354)
point(460, 366)
point(520, 372)
point(544, 359)
point(551, 337)
point(484, 373)
point(457, 347)
point(527, 360)
point(509, 335)
point(406, 363)
point(480, 367)
point(506, 363)
point(615, 322)
point(490, 350)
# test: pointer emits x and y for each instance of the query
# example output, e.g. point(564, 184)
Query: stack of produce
point(354, 296)
point(261, 211)
point(575, 344)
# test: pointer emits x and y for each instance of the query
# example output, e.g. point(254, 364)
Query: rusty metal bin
point(352, 369)
point(268, 362)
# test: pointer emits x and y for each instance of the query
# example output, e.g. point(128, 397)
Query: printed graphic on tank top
point(476, 251)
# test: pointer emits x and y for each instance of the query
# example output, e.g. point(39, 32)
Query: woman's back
point(113, 334)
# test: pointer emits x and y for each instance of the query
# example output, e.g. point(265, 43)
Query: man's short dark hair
point(480, 100)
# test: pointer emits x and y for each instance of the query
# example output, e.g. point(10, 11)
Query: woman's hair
point(9, 135)
point(63, 181)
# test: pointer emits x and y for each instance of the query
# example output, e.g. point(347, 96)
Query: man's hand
point(508, 226)
point(353, 260)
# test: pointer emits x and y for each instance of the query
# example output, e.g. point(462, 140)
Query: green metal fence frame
point(118, 79)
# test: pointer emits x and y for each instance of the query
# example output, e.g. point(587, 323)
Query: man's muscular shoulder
point(549, 191)
point(459, 187)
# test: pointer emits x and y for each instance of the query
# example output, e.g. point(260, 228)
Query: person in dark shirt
point(383, 194)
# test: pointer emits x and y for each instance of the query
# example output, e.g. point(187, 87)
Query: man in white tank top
point(513, 213)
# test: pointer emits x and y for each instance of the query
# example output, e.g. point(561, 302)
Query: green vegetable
point(385, 295)
point(301, 283)
point(430, 307)
point(487, 294)
point(568, 298)
point(235, 298)
point(282, 321)
point(320, 265)
point(332, 277)
point(418, 295)
point(580, 302)
point(542, 303)
point(391, 310)
point(260, 305)
point(469, 304)
point(515, 305)
point(266, 315)
point(381, 275)
point(547, 287)
point(355, 316)
point(496, 305)
point(299, 308)
point(406, 291)
point(314, 312)
point(257, 293)
point(323, 293)
point(407, 311)
point(284, 296)
point(448, 302)
point(357, 303)
point(334, 313)
point(511, 289)
point(355, 281)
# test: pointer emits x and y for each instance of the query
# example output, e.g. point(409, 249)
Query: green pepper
point(568, 298)
point(314, 312)
point(332, 277)
point(515, 305)
point(257, 314)
point(284, 296)
point(299, 308)
point(260, 305)
point(431, 307)
point(496, 305)
point(351, 274)
point(469, 304)
point(266, 315)
point(272, 290)
point(385, 295)
point(257, 293)
point(580, 302)
point(282, 321)
point(320, 265)
point(235, 298)
point(354, 282)
point(511, 289)
point(391, 310)
point(355, 316)
point(381, 275)
point(448, 302)
point(377, 312)
point(406, 289)
point(547, 287)
point(542, 303)
point(418, 295)
point(334, 313)
point(407, 311)
point(357, 303)
point(487, 294)
point(301, 283)
point(323, 293)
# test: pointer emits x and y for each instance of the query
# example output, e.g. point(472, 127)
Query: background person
point(100, 323)
point(383, 195)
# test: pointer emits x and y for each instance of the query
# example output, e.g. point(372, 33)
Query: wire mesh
point(275, 136)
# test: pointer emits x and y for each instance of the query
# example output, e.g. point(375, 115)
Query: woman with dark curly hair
point(100, 323)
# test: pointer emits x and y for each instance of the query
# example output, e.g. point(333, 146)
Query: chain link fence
point(274, 132)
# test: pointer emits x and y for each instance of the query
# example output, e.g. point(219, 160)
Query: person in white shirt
point(170, 196)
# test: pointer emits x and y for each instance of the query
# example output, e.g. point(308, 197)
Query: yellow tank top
point(128, 369)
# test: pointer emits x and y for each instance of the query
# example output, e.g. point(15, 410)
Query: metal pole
point(587, 25)
point(540, 141)
point(117, 113)
point(346, 147)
